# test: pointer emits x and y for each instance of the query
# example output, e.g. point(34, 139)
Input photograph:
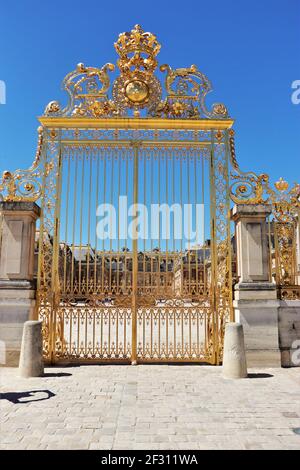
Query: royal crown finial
point(137, 87)
point(137, 41)
point(281, 185)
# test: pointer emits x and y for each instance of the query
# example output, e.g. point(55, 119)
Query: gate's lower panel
point(104, 334)
point(174, 334)
point(95, 333)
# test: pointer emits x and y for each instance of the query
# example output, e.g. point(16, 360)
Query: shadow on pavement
point(259, 376)
point(57, 374)
point(14, 397)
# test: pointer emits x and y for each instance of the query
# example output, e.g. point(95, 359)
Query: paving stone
point(152, 407)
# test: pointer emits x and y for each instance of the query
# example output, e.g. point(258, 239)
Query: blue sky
point(249, 50)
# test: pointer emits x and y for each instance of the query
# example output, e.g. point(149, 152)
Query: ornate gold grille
point(120, 299)
point(138, 300)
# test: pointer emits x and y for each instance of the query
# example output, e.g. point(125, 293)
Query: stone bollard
point(31, 357)
point(234, 356)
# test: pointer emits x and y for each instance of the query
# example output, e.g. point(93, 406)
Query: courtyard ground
point(150, 407)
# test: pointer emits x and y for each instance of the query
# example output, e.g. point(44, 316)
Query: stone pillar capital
point(13, 208)
point(17, 241)
point(250, 211)
point(252, 242)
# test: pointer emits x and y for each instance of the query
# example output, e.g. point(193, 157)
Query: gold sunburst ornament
point(137, 91)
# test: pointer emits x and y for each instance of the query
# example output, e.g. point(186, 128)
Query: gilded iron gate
point(135, 242)
point(134, 180)
point(134, 298)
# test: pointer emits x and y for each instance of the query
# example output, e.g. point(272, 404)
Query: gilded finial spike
point(137, 40)
point(281, 185)
point(138, 27)
point(6, 175)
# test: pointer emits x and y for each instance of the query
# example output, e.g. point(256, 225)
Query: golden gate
point(105, 296)
point(140, 299)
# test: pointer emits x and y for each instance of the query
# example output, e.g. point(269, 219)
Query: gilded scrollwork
point(285, 211)
point(186, 90)
point(24, 185)
point(246, 187)
point(137, 88)
point(87, 88)
point(250, 188)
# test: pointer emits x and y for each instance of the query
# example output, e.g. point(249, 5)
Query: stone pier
point(17, 286)
point(255, 298)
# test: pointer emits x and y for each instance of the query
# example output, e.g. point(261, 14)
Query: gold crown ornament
point(281, 185)
point(136, 87)
point(137, 42)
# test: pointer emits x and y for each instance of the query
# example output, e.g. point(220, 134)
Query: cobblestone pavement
point(150, 407)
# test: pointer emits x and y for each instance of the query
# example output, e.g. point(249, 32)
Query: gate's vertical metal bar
point(197, 287)
point(270, 249)
point(81, 274)
point(90, 156)
point(42, 228)
point(103, 246)
point(111, 281)
point(66, 224)
point(118, 252)
point(213, 250)
point(153, 258)
point(55, 260)
point(187, 349)
point(134, 257)
point(204, 225)
point(229, 254)
point(126, 283)
point(74, 221)
point(181, 240)
point(118, 222)
point(160, 155)
point(144, 228)
point(96, 280)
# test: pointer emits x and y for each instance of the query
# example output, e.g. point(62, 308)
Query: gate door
point(134, 246)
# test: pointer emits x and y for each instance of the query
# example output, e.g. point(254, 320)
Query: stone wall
point(289, 332)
